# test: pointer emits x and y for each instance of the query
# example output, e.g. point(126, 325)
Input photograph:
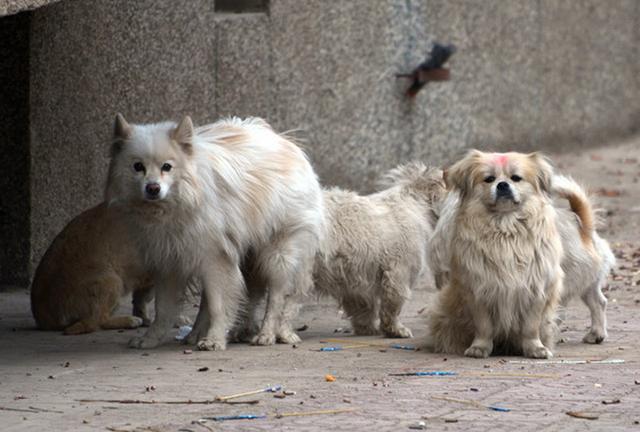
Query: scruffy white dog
point(198, 200)
point(375, 251)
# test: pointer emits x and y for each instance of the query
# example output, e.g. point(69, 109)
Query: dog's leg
point(223, 287)
point(597, 304)
point(531, 344)
point(280, 265)
point(303, 282)
point(121, 322)
point(285, 333)
point(83, 326)
point(102, 298)
point(141, 299)
point(482, 344)
point(189, 300)
point(246, 326)
point(168, 289)
point(201, 323)
point(395, 291)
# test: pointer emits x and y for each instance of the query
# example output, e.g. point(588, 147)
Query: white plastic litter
point(183, 332)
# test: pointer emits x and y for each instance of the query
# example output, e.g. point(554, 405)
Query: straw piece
point(471, 402)
point(310, 413)
point(249, 393)
point(569, 361)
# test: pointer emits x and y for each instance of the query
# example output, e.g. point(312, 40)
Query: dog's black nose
point(503, 187)
point(152, 189)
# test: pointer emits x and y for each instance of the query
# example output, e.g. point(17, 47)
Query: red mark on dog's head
point(500, 159)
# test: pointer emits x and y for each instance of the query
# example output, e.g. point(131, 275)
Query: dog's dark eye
point(516, 178)
point(138, 166)
point(489, 179)
point(166, 167)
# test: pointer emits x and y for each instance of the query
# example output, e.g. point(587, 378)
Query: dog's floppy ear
point(121, 132)
point(183, 135)
point(544, 171)
point(459, 175)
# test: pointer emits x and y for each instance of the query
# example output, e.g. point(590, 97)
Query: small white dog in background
point(375, 250)
point(588, 259)
point(198, 200)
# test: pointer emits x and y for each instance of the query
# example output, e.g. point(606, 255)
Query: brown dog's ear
point(121, 132)
point(459, 175)
point(544, 171)
point(183, 135)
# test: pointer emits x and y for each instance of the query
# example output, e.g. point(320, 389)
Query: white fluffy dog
point(199, 200)
point(375, 251)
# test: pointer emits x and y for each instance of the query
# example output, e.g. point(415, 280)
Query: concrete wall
point(527, 75)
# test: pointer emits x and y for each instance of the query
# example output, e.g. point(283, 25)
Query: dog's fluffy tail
point(567, 188)
point(415, 175)
point(403, 175)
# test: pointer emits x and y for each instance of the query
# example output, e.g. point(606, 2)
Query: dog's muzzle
point(152, 191)
point(503, 190)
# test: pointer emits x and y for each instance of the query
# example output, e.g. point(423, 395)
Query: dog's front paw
point(143, 342)
point(594, 337)
point(207, 344)
point(288, 337)
point(264, 339)
point(477, 351)
point(136, 322)
point(399, 331)
point(539, 352)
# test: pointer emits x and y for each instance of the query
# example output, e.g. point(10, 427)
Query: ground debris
point(583, 415)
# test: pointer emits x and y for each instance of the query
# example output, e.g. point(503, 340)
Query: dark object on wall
point(431, 69)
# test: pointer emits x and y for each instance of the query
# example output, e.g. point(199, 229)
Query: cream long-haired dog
point(376, 245)
point(199, 200)
point(503, 253)
point(587, 260)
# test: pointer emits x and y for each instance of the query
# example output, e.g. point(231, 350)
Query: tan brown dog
point(89, 266)
point(503, 252)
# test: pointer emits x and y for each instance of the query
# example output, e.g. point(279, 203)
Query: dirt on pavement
point(44, 375)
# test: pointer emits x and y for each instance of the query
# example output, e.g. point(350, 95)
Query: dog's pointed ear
point(121, 129)
point(544, 172)
point(183, 134)
point(121, 132)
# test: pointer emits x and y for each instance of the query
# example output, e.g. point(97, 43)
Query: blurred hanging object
point(431, 69)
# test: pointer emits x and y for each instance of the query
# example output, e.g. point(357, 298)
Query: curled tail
point(422, 178)
point(567, 188)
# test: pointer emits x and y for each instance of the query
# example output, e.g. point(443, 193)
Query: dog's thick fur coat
point(375, 250)
point(500, 244)
point(199, 200)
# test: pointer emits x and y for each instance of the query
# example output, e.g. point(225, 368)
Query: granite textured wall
point(527, 75)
